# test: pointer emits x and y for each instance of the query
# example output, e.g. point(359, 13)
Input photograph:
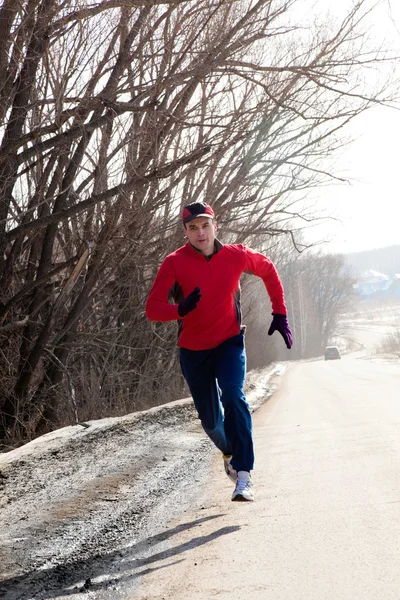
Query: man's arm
point(157, 305)
point(263, 267)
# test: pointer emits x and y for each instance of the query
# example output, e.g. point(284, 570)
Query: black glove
point(280, 323)
point(189, 303)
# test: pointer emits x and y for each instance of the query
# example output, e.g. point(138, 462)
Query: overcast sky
point(369, 207)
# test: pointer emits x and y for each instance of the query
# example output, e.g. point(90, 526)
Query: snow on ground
point(76, 502)
point(381, 316)
point(257, 386)
point(376, 327)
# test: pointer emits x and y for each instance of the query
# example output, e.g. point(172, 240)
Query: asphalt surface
point(326, 520)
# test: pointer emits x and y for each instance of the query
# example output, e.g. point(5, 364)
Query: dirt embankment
point(77, 502)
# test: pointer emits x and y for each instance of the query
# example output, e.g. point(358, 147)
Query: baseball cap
point(196, 209)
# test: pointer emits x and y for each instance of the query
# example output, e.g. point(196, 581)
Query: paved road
point(326, 521)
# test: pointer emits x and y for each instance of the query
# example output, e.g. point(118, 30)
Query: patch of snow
point(257, 390)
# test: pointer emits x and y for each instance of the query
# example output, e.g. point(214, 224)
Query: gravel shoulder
point(77, 503)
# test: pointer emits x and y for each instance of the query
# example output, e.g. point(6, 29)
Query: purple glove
point(189, 303)
point(280, 323)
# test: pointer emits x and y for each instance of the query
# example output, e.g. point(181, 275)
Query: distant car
point(332, 353)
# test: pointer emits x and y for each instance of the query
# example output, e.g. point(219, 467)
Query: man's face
point(201, 234)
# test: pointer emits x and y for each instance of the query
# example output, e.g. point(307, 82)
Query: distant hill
point(385, 260)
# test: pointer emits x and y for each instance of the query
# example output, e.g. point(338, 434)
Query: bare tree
point(113, 115)
point(320, 288)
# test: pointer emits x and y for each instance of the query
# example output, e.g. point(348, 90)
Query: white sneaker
point(229, 470)
point(244, 488)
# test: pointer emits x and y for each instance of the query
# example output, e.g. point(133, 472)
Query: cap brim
point(188, 219)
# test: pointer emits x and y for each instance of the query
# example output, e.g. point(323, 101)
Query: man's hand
point(189, 303)
point(280, 323)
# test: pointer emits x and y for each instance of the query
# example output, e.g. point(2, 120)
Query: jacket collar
point(217, 247)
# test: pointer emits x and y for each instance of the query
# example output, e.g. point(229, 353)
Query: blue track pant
point(216, 379)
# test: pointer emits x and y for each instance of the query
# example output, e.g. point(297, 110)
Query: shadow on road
point(107, 570)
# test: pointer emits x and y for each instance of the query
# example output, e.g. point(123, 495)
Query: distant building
point(372, 283)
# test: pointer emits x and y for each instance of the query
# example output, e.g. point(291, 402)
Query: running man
point(198, 286)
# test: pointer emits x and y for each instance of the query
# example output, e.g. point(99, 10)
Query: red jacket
point(217, 316)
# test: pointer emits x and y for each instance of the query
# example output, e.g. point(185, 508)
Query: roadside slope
point(76, 503)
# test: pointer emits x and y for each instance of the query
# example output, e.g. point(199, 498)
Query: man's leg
point(198, 370)
point(230, 370)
